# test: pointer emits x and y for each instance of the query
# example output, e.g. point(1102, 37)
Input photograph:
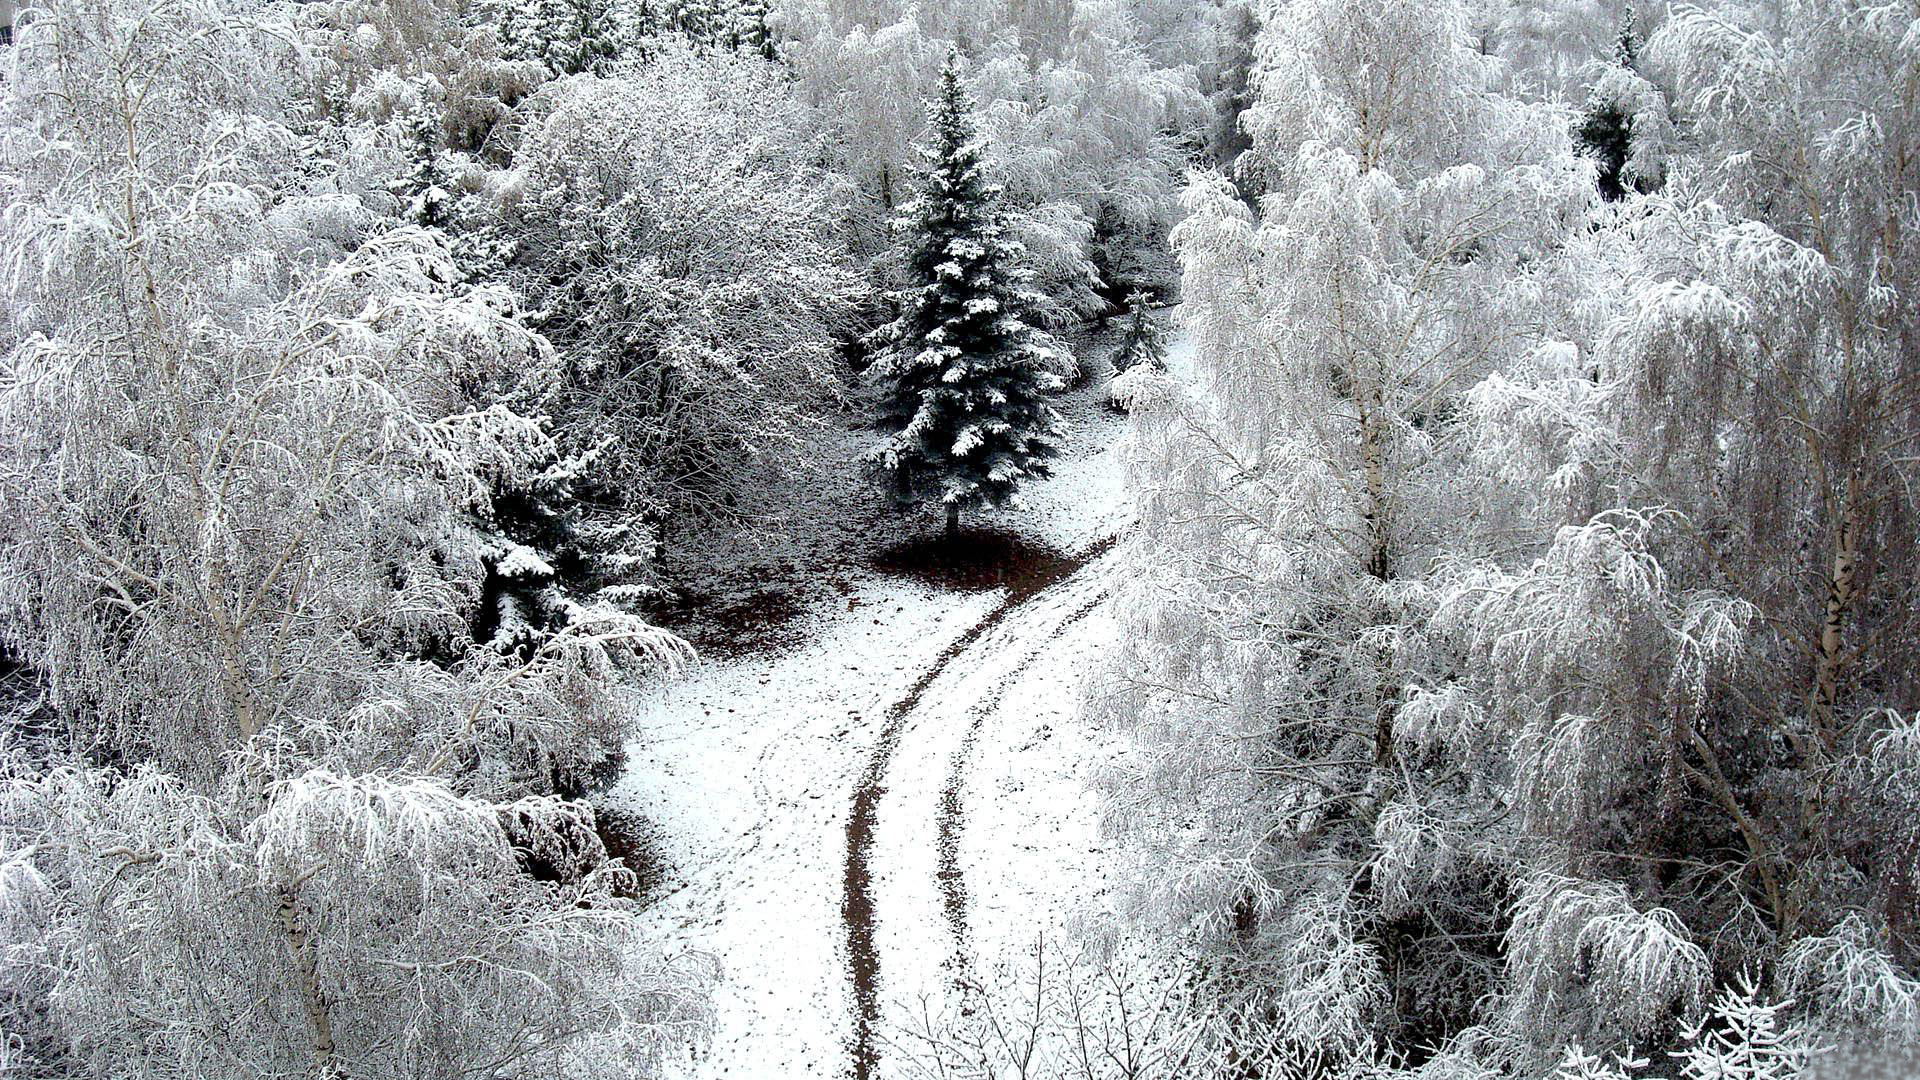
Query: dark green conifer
point(963, 373)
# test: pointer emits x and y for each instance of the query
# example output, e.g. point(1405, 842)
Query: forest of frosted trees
point(1381, 538)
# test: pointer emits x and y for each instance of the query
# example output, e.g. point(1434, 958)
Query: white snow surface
point(748, 768)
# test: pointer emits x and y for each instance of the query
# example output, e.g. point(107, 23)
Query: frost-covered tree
point(685, 248)
point(249, 438)
point(1746, 369)
point(1145, 342)
point(1294, 497)
point(1089, 124)
point(963, 376)
point(1597, 521)
point(1624, 126)
point(366, 62)
point(351, 928)
point(1086, 127)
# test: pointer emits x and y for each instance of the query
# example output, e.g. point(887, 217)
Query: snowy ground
point(982, 831)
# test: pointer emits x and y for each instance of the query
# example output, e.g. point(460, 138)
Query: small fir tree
point(963, 372)
point(424, 198)
point(552, 556)
point(1146, 342)
point(753, 30)
point(1606, 131)
point(428, 196)
point(1743, 1037)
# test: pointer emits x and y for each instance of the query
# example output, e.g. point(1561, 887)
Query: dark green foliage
point(429, 196)
point(549, 553)
point(1605, 133)
point(421, 190)
point(572, 37)
point(568, 36)
point(964, 376)
point(751, 31)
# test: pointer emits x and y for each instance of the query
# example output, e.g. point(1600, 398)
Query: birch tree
point(1754, 380)
point(1292, 500)
point(248, 458)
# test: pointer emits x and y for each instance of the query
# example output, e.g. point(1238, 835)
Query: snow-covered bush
point(1054, 1014)
point(684, 248)
point(347, 925)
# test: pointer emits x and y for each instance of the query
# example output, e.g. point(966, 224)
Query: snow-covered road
point(908, 875)
point(851, 818)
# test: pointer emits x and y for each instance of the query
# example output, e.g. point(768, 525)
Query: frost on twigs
point(1852, 988)
point(1744, 1037)
point(404, 906)
point(1584, 963)
point(1060, 1013)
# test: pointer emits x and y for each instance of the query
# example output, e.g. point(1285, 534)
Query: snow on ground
point(1021, 674)
point(1031, 851)
point(748, 768)
point(1180, 359)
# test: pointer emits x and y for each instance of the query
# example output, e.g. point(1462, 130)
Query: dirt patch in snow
point(732, 626)
point(976, 560)
point(634, 841)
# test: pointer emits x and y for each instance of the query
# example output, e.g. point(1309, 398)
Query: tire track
point(952, 813)
point(857, 907)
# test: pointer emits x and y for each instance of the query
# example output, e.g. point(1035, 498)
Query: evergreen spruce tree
point(549, 555)
point(424, 198)
point(964, 374)
point(752, 31)
point(1146, 342)
point(704, 23)
point(568, 36)
point(1606, 129)
point(428, 195)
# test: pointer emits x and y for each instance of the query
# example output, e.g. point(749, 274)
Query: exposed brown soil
point(976, 560)
point(733, 626)
point(631, 839)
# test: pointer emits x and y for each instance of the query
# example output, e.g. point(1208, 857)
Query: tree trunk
point(1379, 511)
point(1830, 656)
point(1378, 517)
point(953, 520)
point(326, 1064)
